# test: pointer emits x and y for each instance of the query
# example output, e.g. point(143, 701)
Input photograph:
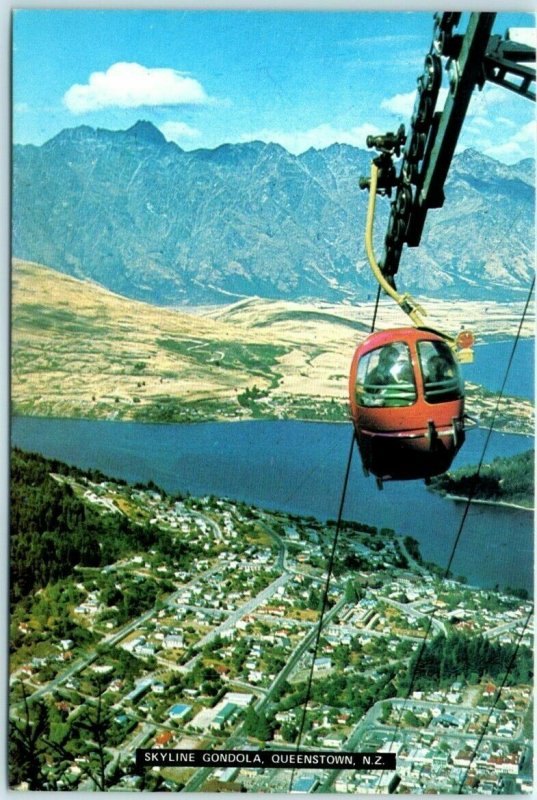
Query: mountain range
point(150, 221)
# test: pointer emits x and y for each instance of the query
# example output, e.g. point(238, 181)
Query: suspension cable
point(375, 310)
point(324, 600)
point(471, 493)
point(475, 477)
point(497, 698)
point(336, 537)
point(329, 573)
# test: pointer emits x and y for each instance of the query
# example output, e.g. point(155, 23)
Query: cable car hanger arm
point(405, 301)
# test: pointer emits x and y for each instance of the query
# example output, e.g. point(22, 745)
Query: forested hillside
point(505, 480)
point(53, 530)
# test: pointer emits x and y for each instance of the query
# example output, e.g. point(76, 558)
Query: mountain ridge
point(151, 221)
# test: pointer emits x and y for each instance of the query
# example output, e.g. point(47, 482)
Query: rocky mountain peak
point(145, 132)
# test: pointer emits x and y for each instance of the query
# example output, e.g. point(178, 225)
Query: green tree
point(94, 723)
point(27, 744)
point(289, 732)
point(411, 719)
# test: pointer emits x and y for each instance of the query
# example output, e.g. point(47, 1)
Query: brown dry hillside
point(79, 350)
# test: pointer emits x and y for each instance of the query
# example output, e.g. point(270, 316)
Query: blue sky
point(302, 79)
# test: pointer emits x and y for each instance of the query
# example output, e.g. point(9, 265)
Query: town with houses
point(210, 644)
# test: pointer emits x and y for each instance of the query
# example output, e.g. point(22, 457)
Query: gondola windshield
point(441, 376)
point(385, 377)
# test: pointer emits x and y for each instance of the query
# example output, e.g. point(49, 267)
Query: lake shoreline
point(478, 500)
point(296, 468)
point(227, 420)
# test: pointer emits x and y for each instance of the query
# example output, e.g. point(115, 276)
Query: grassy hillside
point(79, 350)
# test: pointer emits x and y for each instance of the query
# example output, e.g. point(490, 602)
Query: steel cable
point(496, 700)
point(324, 601)
point(471, 494)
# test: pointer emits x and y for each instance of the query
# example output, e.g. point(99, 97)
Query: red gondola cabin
point(407, 404)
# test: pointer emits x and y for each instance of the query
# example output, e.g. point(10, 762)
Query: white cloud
point(176, 131)
point(482, 122)
point(403, 104)
point(481, 104)
point(486, 104)
point(388, 40)
point(129, 85)
point(400, 104)
point(520, 145)
point(491, 95)
point(319, 137)
point(526, 133)
point(510, 123)
point(508, 152)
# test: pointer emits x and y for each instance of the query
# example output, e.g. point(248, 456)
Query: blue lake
point(299, 467)
point(490, 364)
